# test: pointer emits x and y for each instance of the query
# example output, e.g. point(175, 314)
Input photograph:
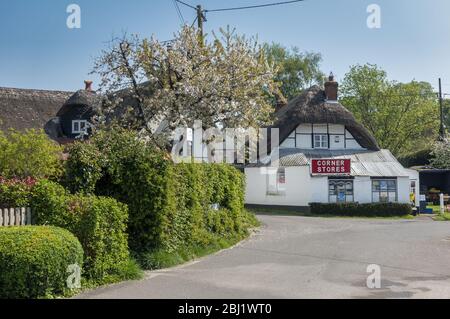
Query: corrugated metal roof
point(364, 163)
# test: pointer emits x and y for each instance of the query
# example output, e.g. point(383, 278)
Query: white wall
point(403, 189)
point(296, 194)
point(302, 188)
point(362, 189)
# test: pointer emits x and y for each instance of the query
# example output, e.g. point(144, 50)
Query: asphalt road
point(306, 257)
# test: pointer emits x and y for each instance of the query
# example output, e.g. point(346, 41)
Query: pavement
point(310, 257)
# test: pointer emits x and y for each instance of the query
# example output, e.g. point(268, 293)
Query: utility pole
point(200, 19)
point(441, 109)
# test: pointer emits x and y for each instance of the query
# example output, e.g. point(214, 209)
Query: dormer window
point(320, 140)
point(79, 126)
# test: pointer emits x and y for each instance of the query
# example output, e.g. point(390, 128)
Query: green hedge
point(34, 261)
point(418, 158)
point(356, 209)
point(98, 222)
point(170, 205)
point(15, 192)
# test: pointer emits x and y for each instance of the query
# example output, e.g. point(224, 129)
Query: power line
point(254, 6)
point(180, 15)
point(186, 4)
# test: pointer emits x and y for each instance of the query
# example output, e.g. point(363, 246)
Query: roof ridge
point(2, 88)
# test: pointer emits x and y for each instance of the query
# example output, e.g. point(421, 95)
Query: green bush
point(29, 153)
point(15, 192)
point(98, 222)
point(356, 209)
point(34, 261)
point(171, 206)
point(418, 158)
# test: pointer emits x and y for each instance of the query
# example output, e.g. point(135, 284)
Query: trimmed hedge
point(98, 222)
point(365, 210)
point(171, 206)
point(34, 261)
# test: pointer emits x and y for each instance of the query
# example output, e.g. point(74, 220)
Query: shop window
point(384, 190)
point(340, 191)
point(79, 126)
point(320, 140)
point(276, 181)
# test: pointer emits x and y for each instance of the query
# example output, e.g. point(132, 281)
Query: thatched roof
point(25, 109)
point(311, 107)
point(89, 99)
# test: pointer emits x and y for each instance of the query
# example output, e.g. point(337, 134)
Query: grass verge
point(442, 217)
point(164, 259)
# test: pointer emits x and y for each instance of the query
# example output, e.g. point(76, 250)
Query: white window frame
point(79, 123)
point(391, 193)
point(322, 142)
point(349, 192)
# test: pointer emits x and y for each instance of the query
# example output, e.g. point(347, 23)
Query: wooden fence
point(15, 216)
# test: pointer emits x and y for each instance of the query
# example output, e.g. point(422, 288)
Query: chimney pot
point(331, 89)
point(88, 85)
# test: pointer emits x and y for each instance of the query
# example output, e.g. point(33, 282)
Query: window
point(384, 190)
point(340, 190)
point(337, 139)
point(320, 140)
point(79, 126)
point(276, 181)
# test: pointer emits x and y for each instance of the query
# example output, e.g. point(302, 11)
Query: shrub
point(356, 209)
point(30, 153)
point(170, 205)
point(34, 261)
point(98, 222)
point(418, 158)
point(15, 192)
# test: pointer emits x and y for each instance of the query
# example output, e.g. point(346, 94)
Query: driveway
point(306, 257)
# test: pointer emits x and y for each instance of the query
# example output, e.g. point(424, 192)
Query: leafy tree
point(296, 70)
point(441, 155)
point(223, 83)
point(29, 154)
point(403, 117)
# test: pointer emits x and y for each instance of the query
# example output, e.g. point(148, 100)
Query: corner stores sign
point(326, 166)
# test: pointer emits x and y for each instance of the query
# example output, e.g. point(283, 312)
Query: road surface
point(308, 257)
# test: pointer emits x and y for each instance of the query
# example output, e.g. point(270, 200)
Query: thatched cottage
point(325, 155)
point(23, 109)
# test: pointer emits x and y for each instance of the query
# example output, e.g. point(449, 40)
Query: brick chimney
point(331, 89)
point(88, 85)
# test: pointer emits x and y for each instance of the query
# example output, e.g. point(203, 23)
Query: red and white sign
point(331, 166)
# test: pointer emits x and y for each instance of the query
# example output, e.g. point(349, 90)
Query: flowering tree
point(223, 83)
point(441, 155)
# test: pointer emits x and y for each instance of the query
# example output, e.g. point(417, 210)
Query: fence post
point(17, 216)
point(22, 216)
point(28, 222)
point(5, 217)
point(1, 217)
point(11, 217)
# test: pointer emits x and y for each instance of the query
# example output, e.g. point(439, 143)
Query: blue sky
point(38, 50)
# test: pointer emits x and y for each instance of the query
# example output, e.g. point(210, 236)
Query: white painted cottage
point(326, 156)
